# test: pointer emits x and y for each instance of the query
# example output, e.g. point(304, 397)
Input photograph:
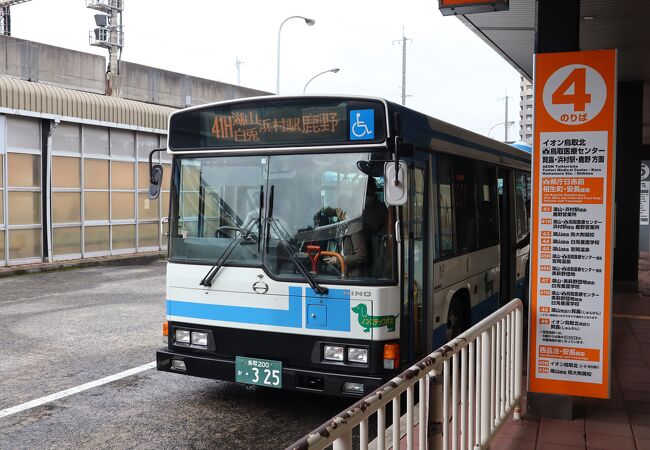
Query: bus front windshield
point(320, 210)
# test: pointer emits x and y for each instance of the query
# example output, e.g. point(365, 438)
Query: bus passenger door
point(506, 232)
point(414, 266)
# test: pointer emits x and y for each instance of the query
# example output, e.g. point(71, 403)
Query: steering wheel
point(339, 258)
point(315, 253)
point(241, 230)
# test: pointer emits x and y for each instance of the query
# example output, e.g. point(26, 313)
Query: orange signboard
point(572, 240)
point(451, 7)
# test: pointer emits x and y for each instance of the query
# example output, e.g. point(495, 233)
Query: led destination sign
point(277, 123)
point(247, 126)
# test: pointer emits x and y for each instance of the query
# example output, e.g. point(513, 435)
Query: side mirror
point(155, 181)
point(155, 175)
point(395, 183)
point(372, 168)
point(395, 173)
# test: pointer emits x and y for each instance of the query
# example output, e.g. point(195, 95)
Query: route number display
point(574, 94)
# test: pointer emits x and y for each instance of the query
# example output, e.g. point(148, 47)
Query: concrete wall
point(33, 61)
point(148, 84)
point(47, 64)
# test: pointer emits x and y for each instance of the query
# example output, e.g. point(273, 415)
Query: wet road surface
point(64, 329)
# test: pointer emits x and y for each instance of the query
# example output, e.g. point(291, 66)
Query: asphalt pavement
point(67, 328)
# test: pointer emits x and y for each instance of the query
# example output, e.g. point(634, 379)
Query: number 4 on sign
point(579, 98)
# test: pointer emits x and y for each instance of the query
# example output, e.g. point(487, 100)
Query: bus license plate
point(260, 372)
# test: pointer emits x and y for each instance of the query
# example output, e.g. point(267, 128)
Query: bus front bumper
point(292, 379)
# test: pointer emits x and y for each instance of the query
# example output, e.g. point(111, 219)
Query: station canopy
point(620, 24)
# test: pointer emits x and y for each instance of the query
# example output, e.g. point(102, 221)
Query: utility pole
point(5, 21)
point(506, 139)
point(403, 43)
point(506, 98)
point(5, 15)
point(238, 63)
point(108, 34)
point(115, 36)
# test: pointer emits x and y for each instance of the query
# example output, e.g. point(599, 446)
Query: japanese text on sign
point(249, 127)
point(571, 253)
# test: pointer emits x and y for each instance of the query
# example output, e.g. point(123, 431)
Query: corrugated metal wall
point(99, 157)
point(41, 98)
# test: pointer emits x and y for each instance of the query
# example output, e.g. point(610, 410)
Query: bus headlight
point(358, 355)
point(182, 336)
point(333, 353)
point(199, 338)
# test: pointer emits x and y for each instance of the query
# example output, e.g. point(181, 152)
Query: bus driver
point(358, 234)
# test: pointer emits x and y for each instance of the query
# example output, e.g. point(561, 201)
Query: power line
point(506, 114)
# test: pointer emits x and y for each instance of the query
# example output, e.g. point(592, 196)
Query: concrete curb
point(119, 260)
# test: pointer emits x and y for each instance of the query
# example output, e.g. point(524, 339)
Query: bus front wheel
point(457, 318)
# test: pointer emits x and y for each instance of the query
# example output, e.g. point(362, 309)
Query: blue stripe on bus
point(519, 288)
point(485, 308)
point(335, 306)
point(478, 313)
point(439, 336)
point(291, 317)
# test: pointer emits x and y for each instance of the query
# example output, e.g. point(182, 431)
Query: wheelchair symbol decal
point(362, 124)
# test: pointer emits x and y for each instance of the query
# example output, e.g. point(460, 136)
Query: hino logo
point(260, 287)
point(360, 294)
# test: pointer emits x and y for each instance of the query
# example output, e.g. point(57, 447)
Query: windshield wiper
point(286, 245)
point(259, 218)
point(244, 233)
point(285, 241)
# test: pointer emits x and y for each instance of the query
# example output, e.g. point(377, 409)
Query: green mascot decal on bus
point(368, 322)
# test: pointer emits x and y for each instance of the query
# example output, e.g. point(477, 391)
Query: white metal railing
point(466, 389)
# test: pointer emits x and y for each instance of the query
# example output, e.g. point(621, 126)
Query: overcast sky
point(450, 73)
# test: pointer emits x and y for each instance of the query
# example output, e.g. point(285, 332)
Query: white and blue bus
point(323, 243)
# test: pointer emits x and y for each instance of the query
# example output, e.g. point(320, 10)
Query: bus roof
point(437, 135)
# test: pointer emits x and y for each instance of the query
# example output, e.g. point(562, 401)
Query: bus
point(324, 243)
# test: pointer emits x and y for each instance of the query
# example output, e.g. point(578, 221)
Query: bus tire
point(525, 294)
point(458, 316)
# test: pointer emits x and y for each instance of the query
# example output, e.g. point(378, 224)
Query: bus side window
point(522, 203)
point(445, 226)
point(487, 206)
point(465, 205)
point(527, 195)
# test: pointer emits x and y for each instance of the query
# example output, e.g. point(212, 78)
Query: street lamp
point(507, 124)
point(318, 75)
point(309, 22)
